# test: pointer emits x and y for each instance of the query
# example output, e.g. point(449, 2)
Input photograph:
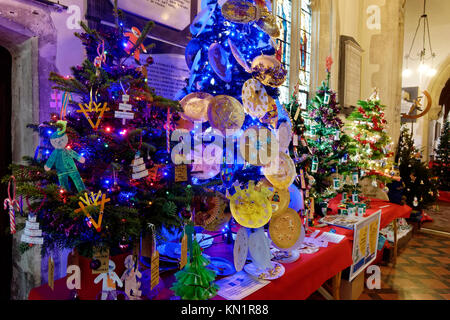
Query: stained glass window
point(284, 13)
point(305, 51)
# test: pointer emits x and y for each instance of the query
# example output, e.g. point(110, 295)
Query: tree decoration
point(11, 204)
point(133, 46)
point(441, 163)
point(125, 109)
point(92, 201)
point(98, 108)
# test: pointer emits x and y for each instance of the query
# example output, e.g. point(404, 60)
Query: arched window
point(293, 46)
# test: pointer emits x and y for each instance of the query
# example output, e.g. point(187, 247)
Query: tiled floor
point(422, 272)
point(441, 217)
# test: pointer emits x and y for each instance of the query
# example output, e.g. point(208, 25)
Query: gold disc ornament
point(218, 60)
point(255, 98)
point(268, 70)
point(285, 229)
point(240, 11)
point(195, 106)
point(258, 145)
point(281, 173)
point(239, 56)
point(251, 208)
point(279, 198)
point(268, 23)
point(226, 114)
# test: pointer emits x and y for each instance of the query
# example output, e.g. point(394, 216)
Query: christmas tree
point(420, 187)
point(327, 143)
point(195, 281)
point(369, 144)
point(441, 166)
point(102, 172)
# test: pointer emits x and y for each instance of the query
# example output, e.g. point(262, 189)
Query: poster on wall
point(172, 13)
point(365, 243)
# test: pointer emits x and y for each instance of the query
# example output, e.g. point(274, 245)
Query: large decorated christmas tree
point(420, 187)
point(441, 164)
point(330, 165)
point(369, 145)
point(102, 171)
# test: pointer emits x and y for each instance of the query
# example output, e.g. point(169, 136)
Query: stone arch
point(437, 83)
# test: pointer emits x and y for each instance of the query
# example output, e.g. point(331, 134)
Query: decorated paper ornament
point(251, 208)
point(133, 37)
point(226, 114)
point(192, 48)
point(255, 99)
point(259, 249)
point(279, 198)
point(210, 212)
point(138, 166)
point(314, 164)
point(415, 202)
point(296, 198)
point(93, 201)
point(240, 11)
point(206, 165)
point(239, 56)
point(130, 278)
point(268, 70)
point(101, 58)
point(336, 182)
point(109, 280)
point(355, 178)
point(195, 106)
point(62, 159)
point(284, 136)
point(125, 109)
point(240, 249)
point(285, 229)
point(218, 60)
point(257, 145)
point(268, 23)
point(93, 108)
point(32, 233)
point(202, 20)
point(271, 117)
point(281, 172)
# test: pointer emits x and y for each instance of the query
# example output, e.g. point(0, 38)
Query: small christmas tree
point(370, 144)
point(194, 281)
point(441, 164)
point(420, 188)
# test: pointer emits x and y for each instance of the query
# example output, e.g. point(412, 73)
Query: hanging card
point(154, 270)
point(101, 254)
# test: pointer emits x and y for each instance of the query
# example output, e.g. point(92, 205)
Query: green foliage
point(441, 165)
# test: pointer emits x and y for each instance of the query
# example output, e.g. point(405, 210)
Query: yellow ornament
point(268, 70)
point(195, 106)
point(285, 229)
point(280, 198)
point(226, 114)
point(281, 173)
point(268, 23)
point(251, 208)
point(255, 98)
point(240, 11)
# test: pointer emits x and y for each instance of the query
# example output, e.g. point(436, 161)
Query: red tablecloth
point(444, 196)
point(389, 212)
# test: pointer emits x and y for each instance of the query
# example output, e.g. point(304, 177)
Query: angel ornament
point(129, 277)
point(109, 280)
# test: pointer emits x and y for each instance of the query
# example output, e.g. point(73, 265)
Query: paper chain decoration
point(11, 204)
point(98, 109)
point(92, 201)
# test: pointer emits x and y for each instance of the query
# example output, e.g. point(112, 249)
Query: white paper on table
point(331, 237)
point(239, 285)
point(316, 242)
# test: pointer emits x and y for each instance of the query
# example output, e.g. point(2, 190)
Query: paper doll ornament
point(130, 279)
point(240, 250)
point(62, 159)
point(259, 248)
point(133, 37)
point(109, 280)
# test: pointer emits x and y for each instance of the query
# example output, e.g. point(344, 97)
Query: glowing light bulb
point(407, 73)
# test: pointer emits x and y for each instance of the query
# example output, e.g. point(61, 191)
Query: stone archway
point(435, 87)
point(28, 33)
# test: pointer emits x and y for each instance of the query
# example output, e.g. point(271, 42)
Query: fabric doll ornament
point(62, 159)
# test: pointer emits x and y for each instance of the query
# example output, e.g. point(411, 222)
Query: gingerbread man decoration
point(133, 36)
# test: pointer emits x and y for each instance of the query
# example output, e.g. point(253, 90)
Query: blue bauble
point(296, 202)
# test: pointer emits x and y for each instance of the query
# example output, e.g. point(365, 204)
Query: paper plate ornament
point(285, 229)
point(195, 106)
point(275, 271)
point(237, 54)
point(210, 212)
point(255, 98)
point(281, 173)
point(258, 145)
point(251, 208)
point(284, 136)
point(192, 48)
point(271, 117)
point(218, 59)
point(240, 250)
point(226, 114)
point(240, 11)
point(227, 173)
point(279, 199)
point(62, 159)
point(268, 70)
point(259, 248)
point(202, 20)
point(296, 198)
point(268, 23)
